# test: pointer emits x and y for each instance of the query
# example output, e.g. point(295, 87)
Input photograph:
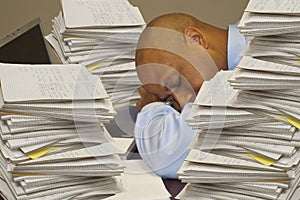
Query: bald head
point(212, 38)
point(184, 44)
point(175, 21)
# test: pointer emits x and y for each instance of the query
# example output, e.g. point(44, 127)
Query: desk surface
point(174, 186)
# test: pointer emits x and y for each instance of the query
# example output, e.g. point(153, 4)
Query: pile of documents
point(105, 31)
point(248, 146)
point(53, 141)
point(103, 35)
point(244, 150)
point(121, 83)
point(275, 26)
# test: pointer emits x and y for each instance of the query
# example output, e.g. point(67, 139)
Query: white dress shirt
point(161, 133)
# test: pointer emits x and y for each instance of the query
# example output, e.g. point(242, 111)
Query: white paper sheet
point(140, 182)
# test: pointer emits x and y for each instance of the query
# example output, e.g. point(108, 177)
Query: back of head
point(176, 22)
point(164, 27)
point(166, 34)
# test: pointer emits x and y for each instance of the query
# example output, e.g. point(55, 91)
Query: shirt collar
point(236, 43)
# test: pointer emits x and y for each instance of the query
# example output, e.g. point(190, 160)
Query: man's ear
point(197, 36)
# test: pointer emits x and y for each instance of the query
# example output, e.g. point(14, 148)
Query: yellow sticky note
point(263, 160)
point(292, 121)
point(95, 66)
point(40, 153)
point(27, 174)
point(92, 67)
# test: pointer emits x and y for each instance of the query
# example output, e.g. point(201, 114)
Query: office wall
point(216, 12)
point(14, 13)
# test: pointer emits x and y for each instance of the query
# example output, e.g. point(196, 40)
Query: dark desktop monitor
point(26, 45)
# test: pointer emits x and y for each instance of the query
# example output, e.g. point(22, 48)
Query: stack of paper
point(103, 35)
point(275, 25)
point(276, 87)
point(105, 32)
point(53, 141)
point(248, 120)
point(241, 152)
point(121, 83)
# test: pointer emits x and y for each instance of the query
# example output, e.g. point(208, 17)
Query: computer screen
point(26, 45)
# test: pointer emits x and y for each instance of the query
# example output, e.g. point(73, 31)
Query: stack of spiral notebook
point(249, 119)
point(121, 83)
point(103, 35)
point(53, 141)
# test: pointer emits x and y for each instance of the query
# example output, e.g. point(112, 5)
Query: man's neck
point(220, 49)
